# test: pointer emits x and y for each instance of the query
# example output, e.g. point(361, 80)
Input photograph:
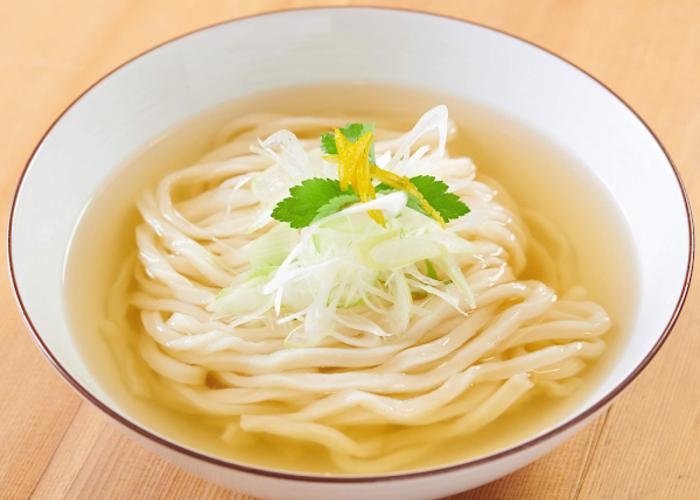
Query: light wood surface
point(54, 445)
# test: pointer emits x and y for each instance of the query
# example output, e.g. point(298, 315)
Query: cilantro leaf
point(415, 205)
point(448, 205)
point(300, 209)
point(352, 131)
point(435, 192)
point(335, 205)
point(328, 144)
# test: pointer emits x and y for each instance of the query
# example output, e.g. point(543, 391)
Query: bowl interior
point(153, 93)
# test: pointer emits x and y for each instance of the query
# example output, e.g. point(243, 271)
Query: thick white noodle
point(448, 375)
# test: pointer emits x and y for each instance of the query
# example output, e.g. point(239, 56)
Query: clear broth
point(538, 175)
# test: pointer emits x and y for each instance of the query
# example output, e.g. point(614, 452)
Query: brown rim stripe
point(354, 479)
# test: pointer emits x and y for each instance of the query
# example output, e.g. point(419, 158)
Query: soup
point(273, 286)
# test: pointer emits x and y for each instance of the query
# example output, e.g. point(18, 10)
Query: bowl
point(177, 80)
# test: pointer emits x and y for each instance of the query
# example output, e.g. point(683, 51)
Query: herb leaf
point(328, 144)
point(301, 208)
point(415, 205)
point(435, 192)
point(335, 205)
point(352, 131)
point(317, 198)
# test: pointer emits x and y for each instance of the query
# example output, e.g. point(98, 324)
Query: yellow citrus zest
point(353, 169)
point(356, 171)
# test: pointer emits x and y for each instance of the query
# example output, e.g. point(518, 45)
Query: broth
point(537, 173)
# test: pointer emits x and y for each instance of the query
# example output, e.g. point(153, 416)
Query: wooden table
point(54, 445)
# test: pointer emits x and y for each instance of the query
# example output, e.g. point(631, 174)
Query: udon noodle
point(377, 395)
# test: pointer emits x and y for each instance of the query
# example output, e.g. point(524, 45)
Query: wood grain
point(54, 445)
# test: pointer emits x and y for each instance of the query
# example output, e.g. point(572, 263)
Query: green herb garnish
point(448, 205)
point(336, 204)
point(435, 191)
point(317, 198)
point(352, 131)
point(306, 199)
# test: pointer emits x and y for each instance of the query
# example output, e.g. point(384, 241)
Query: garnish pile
point(352, 148)
point(361, 254)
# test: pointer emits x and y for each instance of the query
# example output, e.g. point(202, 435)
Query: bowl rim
point(307, 477)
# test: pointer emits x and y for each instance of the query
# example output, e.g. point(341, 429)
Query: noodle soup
point(371, 341)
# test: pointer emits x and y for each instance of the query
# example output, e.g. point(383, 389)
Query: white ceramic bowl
point(161, 88)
